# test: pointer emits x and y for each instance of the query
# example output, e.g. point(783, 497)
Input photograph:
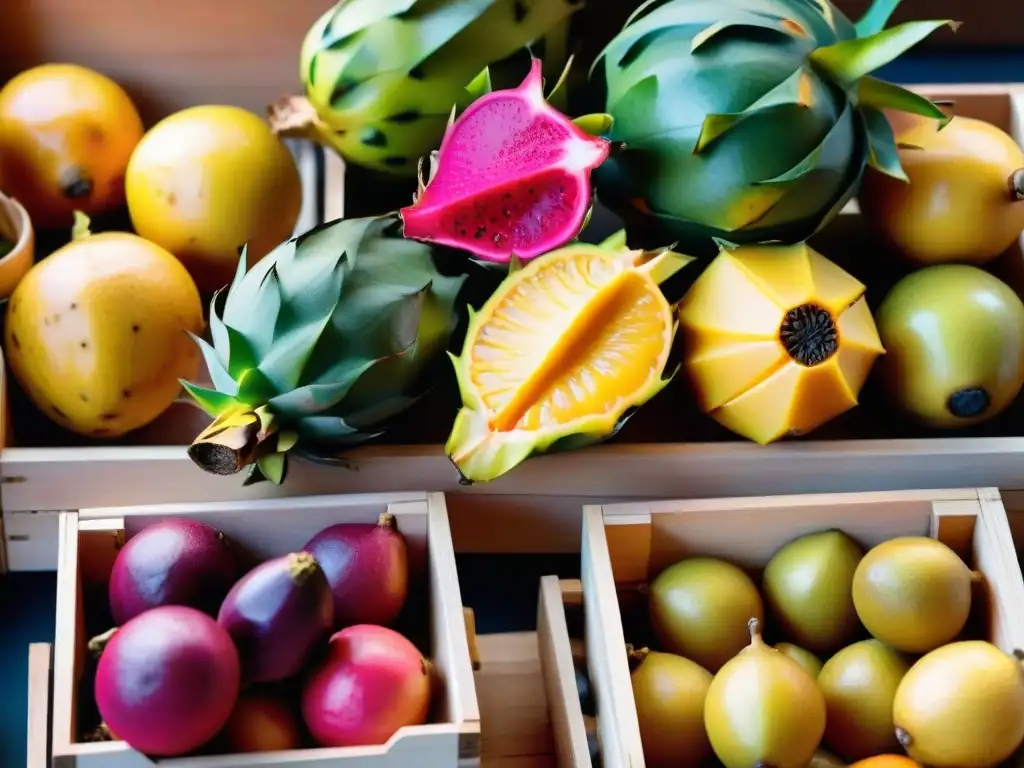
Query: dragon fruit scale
point(381, 76)
point(511, 179)
point(750, 120)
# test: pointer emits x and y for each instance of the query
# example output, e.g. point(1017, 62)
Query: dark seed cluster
point(809, 335)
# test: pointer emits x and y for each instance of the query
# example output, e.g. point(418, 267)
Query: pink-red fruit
point(277, 614)
point(367, 566)
point(172, 562)
point(167, 681)
point(372, 683)
point(512, 177)
point(262, 723)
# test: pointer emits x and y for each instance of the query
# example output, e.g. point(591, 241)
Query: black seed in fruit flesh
point(809, 335)
point(969, 402)
point(371, 137)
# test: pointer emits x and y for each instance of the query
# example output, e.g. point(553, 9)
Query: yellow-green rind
point(481, 455)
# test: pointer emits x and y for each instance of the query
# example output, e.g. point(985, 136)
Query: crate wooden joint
point(89, 541)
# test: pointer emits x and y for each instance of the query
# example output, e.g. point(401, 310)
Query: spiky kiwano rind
point(319, 345)
point(512, 177)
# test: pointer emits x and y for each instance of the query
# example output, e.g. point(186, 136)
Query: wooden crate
point(627, 545)
point(89, 543)
point(855, 453)
point(556, 658)
point(508, 682)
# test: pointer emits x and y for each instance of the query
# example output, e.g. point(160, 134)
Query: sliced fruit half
point(560, 353)
point(778, 339)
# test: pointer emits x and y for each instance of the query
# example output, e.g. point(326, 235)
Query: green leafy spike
point(480, 85)
point(882, 151)
point(615, 242)
point(218, 373)
point(316, 398)
point(879, 94)
point(561, 79)
point(876, 17)
point(210, 400)
point(850, 60)
point(273, 467)
point(596, 124)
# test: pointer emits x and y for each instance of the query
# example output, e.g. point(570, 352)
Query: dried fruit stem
point(101, 733)
point(226, 446)
point(428, 666)
point(636, 656)
point(98, 643)
point(977, 577)
point(1016, 183)
point(301, 565)
point(294, 117)
point(386, 520)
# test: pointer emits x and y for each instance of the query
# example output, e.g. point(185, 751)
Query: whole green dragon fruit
point(750, 120)
point(319, 345)
point(382, 76)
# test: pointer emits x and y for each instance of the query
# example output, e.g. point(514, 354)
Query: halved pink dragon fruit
point(512, 177)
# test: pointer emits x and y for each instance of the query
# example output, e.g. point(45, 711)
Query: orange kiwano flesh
point(886, 761)
point(779, 340)
point(562, 350)
point(66, 134)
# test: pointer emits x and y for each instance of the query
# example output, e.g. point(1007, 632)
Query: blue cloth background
point(502, 589)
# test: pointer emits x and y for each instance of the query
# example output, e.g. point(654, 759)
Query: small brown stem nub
point(100, 733)
point(98, 643)
point(302, 565)
point(1016, 184)
point(428, 666)
point(294, 117)
point(754, 627)
point(636, 656)
point(386, 520)
point(977, 577)
point(229, 444)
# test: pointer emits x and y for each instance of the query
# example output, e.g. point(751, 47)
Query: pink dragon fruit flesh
point(512, 178)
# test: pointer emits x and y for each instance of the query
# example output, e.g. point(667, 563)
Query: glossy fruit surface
point(97, 333)
point(859, 684)
point(803, 657)
point(806, 587)
point(762, 708)
point(699, 609)
point(669, 694)
point(954, 337)
point(963, 202)
point(367, 566)
point(261, 722)
point(778, 340)
point(913, 593)
point(171, 562)
point(961, 706)
point(208, 180)
point(277, 614)
point(560, 352)
point(66, 134)
point(167, 681)
point(886, 761)
point(372, 683)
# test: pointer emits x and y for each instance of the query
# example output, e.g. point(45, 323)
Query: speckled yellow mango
point(778, 340)
point(561, 351)
point(97, 333)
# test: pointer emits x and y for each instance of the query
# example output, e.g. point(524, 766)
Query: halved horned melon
point(778, 340)
point(561, 351)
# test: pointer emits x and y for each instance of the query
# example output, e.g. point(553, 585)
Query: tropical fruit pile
point(214, 652)
point(725, 135)
point(839, 656)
